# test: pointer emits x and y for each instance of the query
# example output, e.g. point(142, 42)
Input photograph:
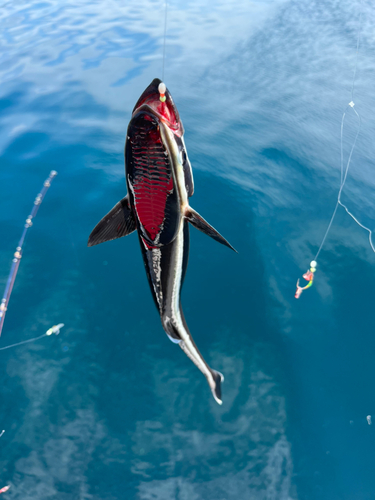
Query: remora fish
point(160, 181)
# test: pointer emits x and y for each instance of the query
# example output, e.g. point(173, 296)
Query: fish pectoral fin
point(197, 221)
point(117, 223)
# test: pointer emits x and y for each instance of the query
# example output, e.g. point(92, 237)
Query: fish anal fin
point(197, 221)
point(117, 223)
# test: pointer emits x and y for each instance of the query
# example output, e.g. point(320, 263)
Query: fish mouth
point(165, 111)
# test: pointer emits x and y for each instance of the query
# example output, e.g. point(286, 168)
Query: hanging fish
point(160, 181)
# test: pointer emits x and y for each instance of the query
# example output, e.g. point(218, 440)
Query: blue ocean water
point(111, 409)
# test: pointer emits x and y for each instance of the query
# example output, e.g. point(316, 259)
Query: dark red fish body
point(151, 186)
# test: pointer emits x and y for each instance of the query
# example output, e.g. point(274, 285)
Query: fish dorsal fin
point(197, 221)
point(117, 223)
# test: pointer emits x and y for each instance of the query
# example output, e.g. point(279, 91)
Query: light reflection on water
point(110, 409)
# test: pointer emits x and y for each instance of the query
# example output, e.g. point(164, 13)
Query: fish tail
point(214, 378)
point(176, 335)
point(216, 390)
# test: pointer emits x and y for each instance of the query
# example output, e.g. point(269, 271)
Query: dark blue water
point(111, 409)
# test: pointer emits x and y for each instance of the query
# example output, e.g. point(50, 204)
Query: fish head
point(164, 110)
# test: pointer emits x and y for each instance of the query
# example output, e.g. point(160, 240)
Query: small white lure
point(55, 329)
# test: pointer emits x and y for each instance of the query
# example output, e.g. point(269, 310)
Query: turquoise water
point(111, 409)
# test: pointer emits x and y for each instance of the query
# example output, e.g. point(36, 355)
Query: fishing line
point(309, 275)
point(165, 37)
point(23, 342)
point(18, 253)
point(54, 329)
point(343, 177)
